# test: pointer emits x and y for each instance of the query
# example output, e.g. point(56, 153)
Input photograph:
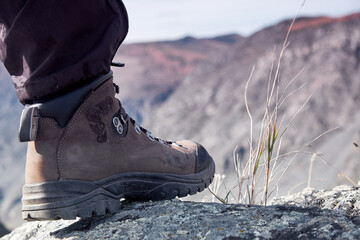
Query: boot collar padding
point(60, 109)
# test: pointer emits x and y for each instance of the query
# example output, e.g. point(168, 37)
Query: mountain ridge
point(328, 59)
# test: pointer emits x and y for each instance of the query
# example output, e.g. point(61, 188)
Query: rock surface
point(308, 215)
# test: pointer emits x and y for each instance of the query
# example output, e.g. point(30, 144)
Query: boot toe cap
point(203, 159)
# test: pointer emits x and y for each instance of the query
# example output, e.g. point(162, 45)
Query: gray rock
point(308, 215)
point(343, 198)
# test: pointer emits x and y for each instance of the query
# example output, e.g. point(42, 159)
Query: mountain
point(154, 70)
point(194, 88)
point(12, 154)
point(209, 106)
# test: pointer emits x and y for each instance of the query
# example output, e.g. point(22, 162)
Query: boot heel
point(66, 200)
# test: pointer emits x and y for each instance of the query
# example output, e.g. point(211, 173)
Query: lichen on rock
point(307, 215)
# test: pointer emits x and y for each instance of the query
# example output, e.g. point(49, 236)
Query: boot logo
point(94, 117)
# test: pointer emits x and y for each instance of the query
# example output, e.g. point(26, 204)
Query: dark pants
point(50, 47)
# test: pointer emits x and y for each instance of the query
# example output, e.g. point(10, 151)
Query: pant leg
point(50, 47)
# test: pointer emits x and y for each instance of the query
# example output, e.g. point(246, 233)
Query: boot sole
point(69, 199)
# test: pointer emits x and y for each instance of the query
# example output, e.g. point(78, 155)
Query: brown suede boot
point(85, 154)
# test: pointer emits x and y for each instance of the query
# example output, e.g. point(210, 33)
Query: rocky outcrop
point(155, 69)
point(308, 215)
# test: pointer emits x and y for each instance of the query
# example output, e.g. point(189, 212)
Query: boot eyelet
point(118, 125)
point(164, 142)
point(122, 119)
point(116, 121)
point(148, 134)
point(120, 129)
point(178, 145)
point(137, 128)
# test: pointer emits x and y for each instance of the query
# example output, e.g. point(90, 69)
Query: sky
point(153, 20)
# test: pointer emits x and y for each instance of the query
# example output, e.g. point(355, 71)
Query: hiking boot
point(85, 154)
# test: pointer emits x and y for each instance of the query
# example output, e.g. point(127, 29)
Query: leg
point(50, 47)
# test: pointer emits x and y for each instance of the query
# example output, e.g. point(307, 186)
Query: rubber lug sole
point(69, 199)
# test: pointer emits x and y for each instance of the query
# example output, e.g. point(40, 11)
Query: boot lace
point(119, 123)
point(139, 129)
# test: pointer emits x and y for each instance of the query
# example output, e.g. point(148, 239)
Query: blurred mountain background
point(194, 89)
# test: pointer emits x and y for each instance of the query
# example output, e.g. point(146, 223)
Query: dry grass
point(264, 152)
point(260, 175)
